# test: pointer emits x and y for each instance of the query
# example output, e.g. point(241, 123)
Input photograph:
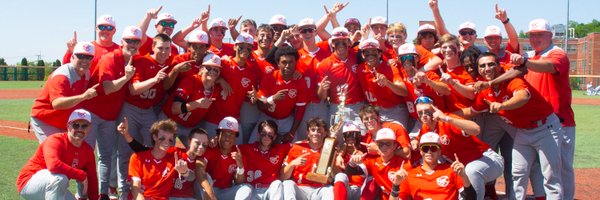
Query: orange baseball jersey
point(156, 175)
point(555, 88)
point(455, 101)
point(424, 56)
point(146, 68)
point(299, 175)
point(264, 66)
point(63, 82)
point(222, 168)
point(389, 52)
point(110, 67)
point(339, 73)
point(422, 90)
point(524, 117)
point(307, 65)
point(296, 96)
point(190, 89)
point(98, 49)
point(262, 167)
point(442, 183)
point(401, 134)
point(383, 172)
point(241, 80)
point(454, 140)
point(187, 188)
point(146, 48)
point(226, 49)
point(379, 95)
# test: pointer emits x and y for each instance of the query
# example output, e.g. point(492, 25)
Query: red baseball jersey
point(537, 108)
point(454, 140)
point(307, 65)
point(156, 175)
point(182, 58)
point(296, 96)
point(339, 73)
point(300, 172)
point(146, 68)
point(264, 66)
point(59, 156)
point(424, 56)
point(441, 183)
point(99, 51)
point(226, 49)
point(222, 168)
point(401, 134)
point(555, 88)
point(241, 80)
point(383, 172)
point(190, 89)
point(146, 48)
point(455, 101)
point(110, 67)
point(415, 92)
point(262, 167)
point(379, 95)
point(63, 82)
point(187, 188)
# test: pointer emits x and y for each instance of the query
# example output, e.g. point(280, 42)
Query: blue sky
point(43, 27)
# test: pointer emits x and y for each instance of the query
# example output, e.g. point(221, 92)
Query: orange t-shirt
point(156, 175)
point(262, 168)
point(454, 140)
point(383, 172)
point(222, 168)
point(226, 49)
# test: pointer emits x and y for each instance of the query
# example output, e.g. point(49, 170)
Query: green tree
point(56, 63)
point(2, 61)
point(522, 34)
point(24, 70)
point(24, 62)
point(582, 30)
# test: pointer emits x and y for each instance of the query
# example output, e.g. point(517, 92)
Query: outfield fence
point(25, 73)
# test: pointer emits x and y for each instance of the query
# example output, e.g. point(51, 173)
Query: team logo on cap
point(80, 114)
point(279, 18)
point(442, 181)
point(168, 15)
point(200, 37)
point(108, 18)
point(135, 31)
point(292, 93)
point(87, 47)
point(229, 124)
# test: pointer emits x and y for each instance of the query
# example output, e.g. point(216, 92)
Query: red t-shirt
point(63, 82)
point(524, 117)
point(156, 175)
point(262, 168)
point(146, 48)
point(300, 172)
point(555, 88)
point(146, 68)
point(454, 140)
point(339, 73)
point(455, 101)
point(59, 156)
point(226, 49)
point(442, 183)
point(379, 95)
point(99, 51)
point(296, 96)
point(383, 172)
point(190, 89)
point(222, 168)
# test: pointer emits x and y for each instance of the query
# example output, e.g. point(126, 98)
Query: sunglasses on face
point(162, 139)
point(265, 134)
point(105, 28)
point(425, 112)
point(278, 28)
point(83, 56)
point(429, 148)
point(340, 43)
point(407, 57)
point(464, 33)
point(491, 65)
point(212, 69)
point(82, 126)
point(132, 41)
point(423, 99)
point(307, 30)
point(167, 24)
point(351, 134)
point(382, 144)
point(241, 48)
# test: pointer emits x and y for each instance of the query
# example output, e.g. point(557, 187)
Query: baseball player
point(371, 118)
point(351, 135)
point(63, 92)
point(378, 26)
point(455, 75)
point(105, 30)
point(216, 32)
point(165, 23)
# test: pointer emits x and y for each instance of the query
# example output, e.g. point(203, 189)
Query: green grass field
point(21, 84)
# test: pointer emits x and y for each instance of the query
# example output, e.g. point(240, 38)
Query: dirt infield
point(20, 94)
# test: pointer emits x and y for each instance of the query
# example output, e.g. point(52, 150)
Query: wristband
point(395, 188)
point(270, 100)
point(506, 22)
point(240, 171)
point(525, 61)
point(184, 108)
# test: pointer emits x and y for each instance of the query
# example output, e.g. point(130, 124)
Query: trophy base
point(318, 178)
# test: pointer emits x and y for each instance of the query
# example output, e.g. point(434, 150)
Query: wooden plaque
point(321, 174)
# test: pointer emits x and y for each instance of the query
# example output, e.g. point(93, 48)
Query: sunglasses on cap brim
point(423, 99)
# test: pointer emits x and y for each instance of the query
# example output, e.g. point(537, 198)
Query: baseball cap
point(492, 31)
point(198, 36)
point(212, 60)
point(467, 25)
point(385, 134)
point(352, 20)
point(379, 20)
point(539, 25)
point(228, 123)
point(307, 22)
point(278, 20)
point(350, 126)
point(244, 38)
point(407, 48)
point(80, 114)
point(106, 20)
point(165, 17)
point(430, 138)
point(218, 22)
point(426, 28)
point(369, 44)
point(132, 32)
point(340, 33)
point(84, 48)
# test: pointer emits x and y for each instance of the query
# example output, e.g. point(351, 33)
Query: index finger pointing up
point(456, 158)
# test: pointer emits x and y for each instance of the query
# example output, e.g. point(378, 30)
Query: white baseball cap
point(467, 25)
point(80, 114)
point(350, 126)
point(492, 31)
point(407, 48)
point(244, 38)
point(539, 25)
point(215, 61)
point(430, 138)
point(217, 22)
point(426, 28)
point(106, 20)
point(198, 36)
point(165, 17)
point(228, 123)
point(84, 48)
point(385, 134)
point(379, 20)
point(132, 32)
point(369, 44)
point(340, 33)
point(307, 22)
point(278, 20)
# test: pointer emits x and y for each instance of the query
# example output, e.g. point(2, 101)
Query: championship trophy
point(323, 172)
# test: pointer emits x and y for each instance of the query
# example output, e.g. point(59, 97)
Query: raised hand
point(494, 106)
point(161, 75)
point(72, 42)
point(325, 83)
point(357, 158)
point(204, 102)
point(433, 4)
point(446, 78)
point(371, 148)
point(90, 92)
point(123, 127)
point(184, 66)
point(299, 161)
point(129, 69)
point(233, 22)
point(458, 167)
point(481, 85)
point(380, 79)
point(237, 156)
point(501, 14)
point(517, 59)
point(204, 16)
point(252, 95)
point(399, 175)
point(438, 114)
point(180, 165)
point(337, 7)
point(153, 13)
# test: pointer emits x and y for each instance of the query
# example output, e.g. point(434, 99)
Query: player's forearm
point(322, 93)
point(114, 85)
point(541, 66)
point(321, 25)
point(465, 113)
point(513, 37)
point(468, 126)
point(234, 33)
point(403, 152)
point(137, 192)
point(170, 80)
point(465, 91)
point(141, 87)
point(433, 64)
point(397, 88)
point(63, 103)
point(516, 71)
point(179, 37)
point(439, 87)
point(143, 25)
point(439, 22)
point(286, 172)
point(520, 98)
